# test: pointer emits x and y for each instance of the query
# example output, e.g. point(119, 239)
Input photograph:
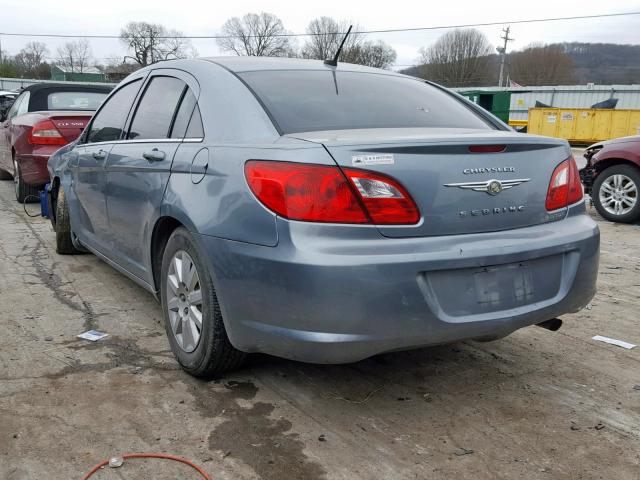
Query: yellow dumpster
point(583, 125)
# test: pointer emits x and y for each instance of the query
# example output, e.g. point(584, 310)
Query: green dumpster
point(497, 102)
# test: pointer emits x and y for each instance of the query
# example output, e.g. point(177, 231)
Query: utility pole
point(503, 52)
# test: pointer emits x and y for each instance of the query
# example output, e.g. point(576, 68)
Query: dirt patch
point(253, 435)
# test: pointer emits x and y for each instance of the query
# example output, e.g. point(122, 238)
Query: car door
point(19, 106)
point(88, 203)
point(138, 169)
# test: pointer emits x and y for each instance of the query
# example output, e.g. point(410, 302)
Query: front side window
point(156, 110)
point(315, 100)
point(108, 124)
point(75, 100)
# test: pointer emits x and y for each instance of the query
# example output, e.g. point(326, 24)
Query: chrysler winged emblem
point(492, 187)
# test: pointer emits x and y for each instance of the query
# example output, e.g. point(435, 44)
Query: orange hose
point(165, 456)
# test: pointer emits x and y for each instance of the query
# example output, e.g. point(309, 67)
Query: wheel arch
point(162, 230)
point(603, 164)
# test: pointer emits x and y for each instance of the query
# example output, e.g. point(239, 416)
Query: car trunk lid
point(463, 181)
point(69, 124)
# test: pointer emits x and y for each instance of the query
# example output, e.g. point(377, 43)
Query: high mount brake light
point(565, 187)
point(46, 133)
point(487, 148)
point(323, 193)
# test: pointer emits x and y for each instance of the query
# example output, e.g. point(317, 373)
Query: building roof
point(93, 70)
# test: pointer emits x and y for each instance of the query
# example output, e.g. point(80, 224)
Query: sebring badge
point(492, 187)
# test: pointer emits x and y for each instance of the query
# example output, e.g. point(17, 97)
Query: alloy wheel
point(618, 194)
point(184, 301)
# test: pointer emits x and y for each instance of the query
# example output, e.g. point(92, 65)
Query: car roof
point(238, 64)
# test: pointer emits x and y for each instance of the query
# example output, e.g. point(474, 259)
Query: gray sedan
point(322, 213)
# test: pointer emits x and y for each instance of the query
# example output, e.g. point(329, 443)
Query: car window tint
point(109, 122)
point(183, 115)
point(155, 111)
point(315, 100)
point(195, 129)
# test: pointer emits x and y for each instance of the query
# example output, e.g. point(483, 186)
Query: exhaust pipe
point(554, 324)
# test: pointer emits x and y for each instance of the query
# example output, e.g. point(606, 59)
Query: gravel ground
point(535, 405)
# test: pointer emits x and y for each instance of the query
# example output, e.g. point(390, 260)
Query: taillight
point(46, 133)
point(565, 187)
point(386, 201)
point(321, 193)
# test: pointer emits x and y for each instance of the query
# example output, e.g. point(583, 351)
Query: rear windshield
point(74, 100)
point(315, 100)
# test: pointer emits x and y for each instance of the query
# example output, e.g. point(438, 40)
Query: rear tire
point(62, 226)
point(25, 193)
point(212, 354)
point(618, 185)
point(4, 175)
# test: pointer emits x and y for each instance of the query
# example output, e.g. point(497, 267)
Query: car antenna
point(334, 62)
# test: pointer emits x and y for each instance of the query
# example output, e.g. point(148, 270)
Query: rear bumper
point(317, 299)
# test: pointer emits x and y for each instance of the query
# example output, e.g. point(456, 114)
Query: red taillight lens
point(321, 193)
point(46, 133)
point(386, 201)
point(565, 187)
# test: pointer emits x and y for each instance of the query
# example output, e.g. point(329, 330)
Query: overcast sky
point(205, 17)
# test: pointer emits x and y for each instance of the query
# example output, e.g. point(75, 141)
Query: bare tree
point(459, 58)
point(540, 64)
point(325, 35)
point(373, 54)
point(31, 58)
point(258, 35)
point(75, 56)
point(149, 43)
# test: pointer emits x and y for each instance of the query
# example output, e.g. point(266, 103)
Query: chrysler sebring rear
point(323, 214)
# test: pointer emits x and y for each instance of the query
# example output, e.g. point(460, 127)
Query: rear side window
point(108, 123)
point(156, 110)
point(184, 114)
point(20, 106)
point(75, 100)
point(315, 100)
point(195, 129)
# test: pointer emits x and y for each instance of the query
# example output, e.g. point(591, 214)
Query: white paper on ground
point(93, 335)
point(613, 341)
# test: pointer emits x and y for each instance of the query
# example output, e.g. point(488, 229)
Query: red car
point(43, 118)
point(612, 178)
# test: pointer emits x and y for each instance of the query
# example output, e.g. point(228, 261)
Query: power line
point(390, 30)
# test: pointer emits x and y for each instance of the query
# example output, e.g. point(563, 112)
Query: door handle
point(154, 155)
point(99, 155)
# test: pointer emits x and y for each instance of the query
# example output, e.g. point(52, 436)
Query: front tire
point(192, 316)
point(62, 226)
point(25, 193)
point(615, 193)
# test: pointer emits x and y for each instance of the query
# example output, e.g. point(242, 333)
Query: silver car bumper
point(322, 298)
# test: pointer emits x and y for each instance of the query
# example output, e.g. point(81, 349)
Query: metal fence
point(11, 84)
point(565, 96)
